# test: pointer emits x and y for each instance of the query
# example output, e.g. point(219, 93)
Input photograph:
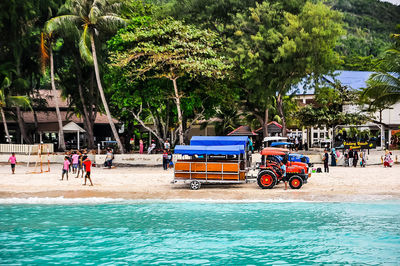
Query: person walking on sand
point(141, 146)
point(363, 158)
point(283, 168)
point(65, 167)
point(87, 164)
point(13, 161)
point(75, 162)
point(355, 159)
point(167, 146)
point(165, 160)
point(346, 158)
point(80, 165)
point(170, 157)
point(387, 162)
point(326, 161)
point(351, 157)
point(333, 157)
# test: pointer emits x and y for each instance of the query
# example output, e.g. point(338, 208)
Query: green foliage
point(146, 54)
point(328, 109)
point(369, 24)
point(275, 48)
point(168, 49)
point(88, 16)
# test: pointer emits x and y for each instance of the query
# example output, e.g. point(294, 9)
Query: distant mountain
point(369, 24)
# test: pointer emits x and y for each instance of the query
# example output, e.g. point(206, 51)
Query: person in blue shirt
point(283, 167)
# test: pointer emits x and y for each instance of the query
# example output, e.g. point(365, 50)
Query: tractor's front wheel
point(295, 182)
point(266, 179)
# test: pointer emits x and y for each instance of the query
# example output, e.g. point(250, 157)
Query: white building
point(355, 80)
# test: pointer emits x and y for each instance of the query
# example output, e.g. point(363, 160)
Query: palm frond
point(5, 83)
point(94, 14)
point(61, 23)
point(84, 50)
point(387, 82)
point(111, 22)
point(22, 101)
point(7, 68)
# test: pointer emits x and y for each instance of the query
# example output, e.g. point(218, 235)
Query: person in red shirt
point(87, 164)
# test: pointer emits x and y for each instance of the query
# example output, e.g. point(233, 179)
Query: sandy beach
point(341, 184)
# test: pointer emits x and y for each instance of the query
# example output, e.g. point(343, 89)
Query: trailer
point(218, 160)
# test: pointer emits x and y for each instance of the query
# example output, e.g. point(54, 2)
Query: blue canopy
point(219, 140)
point(209, 150)
point(273, 144)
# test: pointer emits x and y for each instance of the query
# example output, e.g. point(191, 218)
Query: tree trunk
point(88, 124)
point(103, 98)
point(155, 133)
point(178, 107)
point(61, 143)
point(265, 125)
point(5, 125)
point(21, 124)
point(279, 105)
point(36, 126)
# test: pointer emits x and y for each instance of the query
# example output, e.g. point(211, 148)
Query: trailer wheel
point(295, 182)
point(266, 179)
point(195, 185)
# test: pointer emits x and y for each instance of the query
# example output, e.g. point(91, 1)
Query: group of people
point(297, 143)
point(167, 156)
point(150, 149)
point(80, 163)
point(351, 158)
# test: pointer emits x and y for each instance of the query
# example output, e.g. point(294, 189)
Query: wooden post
point(78, 140)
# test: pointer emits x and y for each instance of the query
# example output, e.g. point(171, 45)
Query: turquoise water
point(201, 233)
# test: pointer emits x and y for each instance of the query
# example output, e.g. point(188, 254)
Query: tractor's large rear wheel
point(295, 182)
point(266, 179)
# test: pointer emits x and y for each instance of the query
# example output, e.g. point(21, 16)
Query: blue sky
point(394, 2)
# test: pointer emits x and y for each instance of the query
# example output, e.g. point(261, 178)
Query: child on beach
point(387, 162)
point(165, 160)
point(12, 160)
point(75, 162)
point(65, 167)
point(87, 164)
point(170, 162)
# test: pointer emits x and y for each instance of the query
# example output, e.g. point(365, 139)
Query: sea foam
point(58, 200)
point(102, 200)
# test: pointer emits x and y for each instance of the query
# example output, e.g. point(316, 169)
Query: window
point(315, 135)
point(321, 135)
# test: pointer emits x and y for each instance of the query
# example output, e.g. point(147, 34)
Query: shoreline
point(107, 198)
point(340, 185)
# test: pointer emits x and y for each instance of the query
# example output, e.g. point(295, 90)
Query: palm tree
point(45, 56)
point(8, 101)
point(385, 84)
point(93, 16)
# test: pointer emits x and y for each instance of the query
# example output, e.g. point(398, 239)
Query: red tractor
point(271, 174)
